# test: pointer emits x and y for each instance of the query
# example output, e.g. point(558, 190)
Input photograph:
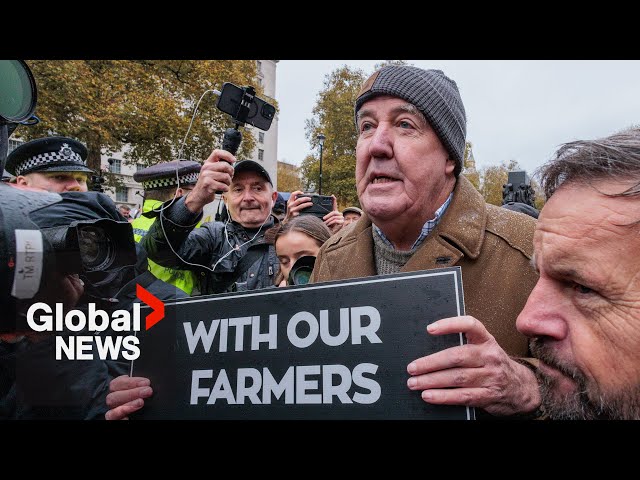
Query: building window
point(139, 167)
point(259, 66)
point(260, 154)
point(261, 137)
point(115, 165)
point(122, 194)
point(13, 144)
point(259, 81)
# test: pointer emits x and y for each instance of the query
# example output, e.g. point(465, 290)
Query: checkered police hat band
point(170, 181)
point(44, 159)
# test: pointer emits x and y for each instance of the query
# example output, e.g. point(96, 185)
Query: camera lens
point(96, 247)
point(301, 271)
point(268, 111)
point(301, 276)
point(18, 99)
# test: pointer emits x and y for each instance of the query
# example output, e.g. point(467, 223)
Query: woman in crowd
point(301, 236)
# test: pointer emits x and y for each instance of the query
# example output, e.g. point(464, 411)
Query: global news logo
point(43, 318)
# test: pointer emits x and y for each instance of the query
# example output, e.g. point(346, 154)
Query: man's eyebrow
point(565, 272)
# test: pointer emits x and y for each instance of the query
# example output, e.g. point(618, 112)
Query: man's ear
point(274, 196)
point(450, 166)
point(22, 180)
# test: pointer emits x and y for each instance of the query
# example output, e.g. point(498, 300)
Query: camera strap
point(253, 254)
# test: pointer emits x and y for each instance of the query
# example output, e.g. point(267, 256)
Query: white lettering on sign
point(222, 326)
point(28, 264)
point(302, 384)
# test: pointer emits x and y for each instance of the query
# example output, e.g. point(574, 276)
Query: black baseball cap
point(251, 166)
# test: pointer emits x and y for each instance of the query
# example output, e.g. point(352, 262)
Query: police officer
point(231, 255)
point(163, 182)
point(55, 164)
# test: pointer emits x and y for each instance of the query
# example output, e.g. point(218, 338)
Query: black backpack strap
point(253, 254)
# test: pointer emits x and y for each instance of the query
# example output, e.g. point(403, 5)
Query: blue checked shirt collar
point(427, 228)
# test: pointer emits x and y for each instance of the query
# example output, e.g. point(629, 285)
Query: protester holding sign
point(420, 213)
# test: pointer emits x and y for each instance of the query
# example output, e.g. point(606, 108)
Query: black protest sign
point(335, 350)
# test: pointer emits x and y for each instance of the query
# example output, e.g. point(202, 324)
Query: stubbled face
point(293, 245)
point(57, 182)
point(351, 217)
point(402, 169)
point(583, 316)
point(250, 199)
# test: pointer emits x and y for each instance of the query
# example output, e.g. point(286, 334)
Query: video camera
point(322, 204)
point(95, 185)
point(518, 189)
point(33, 258)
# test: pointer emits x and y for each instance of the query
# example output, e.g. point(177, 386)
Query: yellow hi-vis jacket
point(185, 280)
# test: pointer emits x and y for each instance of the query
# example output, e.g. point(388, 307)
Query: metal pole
point(320, 189)
point(320, 138)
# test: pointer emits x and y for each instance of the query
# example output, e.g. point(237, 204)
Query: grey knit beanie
point(433, 93)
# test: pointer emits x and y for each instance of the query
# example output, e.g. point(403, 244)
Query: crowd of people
point(552, 300)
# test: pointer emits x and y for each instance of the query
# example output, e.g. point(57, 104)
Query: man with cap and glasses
point(55, 164)
point(163, 182)
point(420, 213)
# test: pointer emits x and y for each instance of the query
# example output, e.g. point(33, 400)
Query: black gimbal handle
point(231, 140)
point(230, 143)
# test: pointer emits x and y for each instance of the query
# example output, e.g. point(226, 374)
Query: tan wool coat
point(492, 245)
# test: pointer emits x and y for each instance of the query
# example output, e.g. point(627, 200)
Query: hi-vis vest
point(185, 280)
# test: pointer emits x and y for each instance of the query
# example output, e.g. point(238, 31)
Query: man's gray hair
point(616, 157)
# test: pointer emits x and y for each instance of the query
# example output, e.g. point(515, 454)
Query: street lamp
point(320, 138)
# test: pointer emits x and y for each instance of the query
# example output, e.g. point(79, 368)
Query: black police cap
point(163, 175)
point(50, 154)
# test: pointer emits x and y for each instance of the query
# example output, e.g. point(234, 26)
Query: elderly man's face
point(402, 168)
point(584, 313)
point(57, 182)
point(250, 199)
point(351, 217)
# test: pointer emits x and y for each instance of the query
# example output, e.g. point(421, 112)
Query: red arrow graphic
point(154, 302)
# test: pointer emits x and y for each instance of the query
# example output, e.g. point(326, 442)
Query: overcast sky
point(520, 110)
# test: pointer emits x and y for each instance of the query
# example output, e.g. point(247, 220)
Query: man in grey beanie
point(419, 213)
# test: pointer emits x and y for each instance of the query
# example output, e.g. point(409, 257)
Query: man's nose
point(72, 185)
point(381, 143)
point(546, 311)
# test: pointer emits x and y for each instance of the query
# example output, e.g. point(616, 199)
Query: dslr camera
point(322, 204)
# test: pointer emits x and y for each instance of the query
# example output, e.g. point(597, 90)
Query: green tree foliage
point(288, 178)
point(333, 116)
point(539, 200)
point(145, 104)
